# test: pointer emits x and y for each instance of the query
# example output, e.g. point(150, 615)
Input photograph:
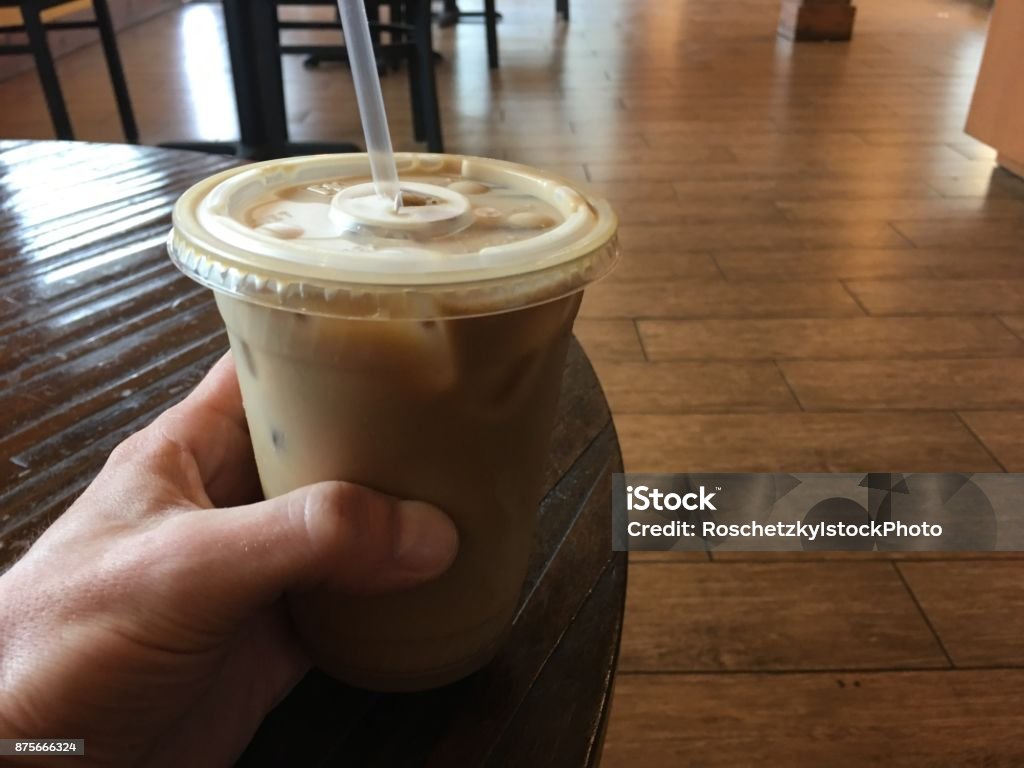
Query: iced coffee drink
point(418, 352)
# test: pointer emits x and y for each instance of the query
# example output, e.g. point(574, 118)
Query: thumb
point(344, 536)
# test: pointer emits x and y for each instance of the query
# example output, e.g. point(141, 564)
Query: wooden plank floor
point(822, 273)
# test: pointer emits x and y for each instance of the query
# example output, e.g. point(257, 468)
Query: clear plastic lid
point(475, 236)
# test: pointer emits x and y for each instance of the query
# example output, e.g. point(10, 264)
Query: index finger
point(210, 424)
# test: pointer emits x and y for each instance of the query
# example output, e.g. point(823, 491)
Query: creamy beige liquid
point(419, 352)
point(455, 412)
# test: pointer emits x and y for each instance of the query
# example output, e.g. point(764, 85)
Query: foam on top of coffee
point(348, 217)
point(312, 227)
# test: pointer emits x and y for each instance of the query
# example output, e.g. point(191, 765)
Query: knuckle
point(340, 497)
point(331, 501)
point(143, 445)
point(315, 516)
point(127, 449)
point(348, 517)
point(154, 446)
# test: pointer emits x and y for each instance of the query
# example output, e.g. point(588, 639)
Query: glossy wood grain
point(695, 386)
point(773, 617)
point(1002, 432)
point(871, 264)
point(907, 384)
point(814, 442)
point(828, 338)
point(974, 607)
point(89, 301)
point(1015, 323)
point(716, 298)
point(969, 295)
point(102, 333)
point(843, 718)
point(609, 339)
point(665, 264)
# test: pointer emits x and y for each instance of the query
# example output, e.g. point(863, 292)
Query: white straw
point(371, 103)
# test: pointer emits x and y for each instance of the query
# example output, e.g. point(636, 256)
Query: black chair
point(34, 18)
point(409, 30)
point(452, 14)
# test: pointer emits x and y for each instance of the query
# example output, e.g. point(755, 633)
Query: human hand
point(149, 618)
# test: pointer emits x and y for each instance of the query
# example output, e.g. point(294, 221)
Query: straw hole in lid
point(416, 199)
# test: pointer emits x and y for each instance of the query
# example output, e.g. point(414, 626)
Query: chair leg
point(110, 52)
point(449, 16)
point(373, 17)
point(426, 83)
point(419, 128)
point(491, 22)
point(47, 72)
point(397, 12)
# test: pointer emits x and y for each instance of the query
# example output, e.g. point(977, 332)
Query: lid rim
point(308, 287)
point(280, 291)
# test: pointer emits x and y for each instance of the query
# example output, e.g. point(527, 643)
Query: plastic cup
point(419, 353)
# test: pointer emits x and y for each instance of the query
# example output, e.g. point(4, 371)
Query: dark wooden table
point(101, 333)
